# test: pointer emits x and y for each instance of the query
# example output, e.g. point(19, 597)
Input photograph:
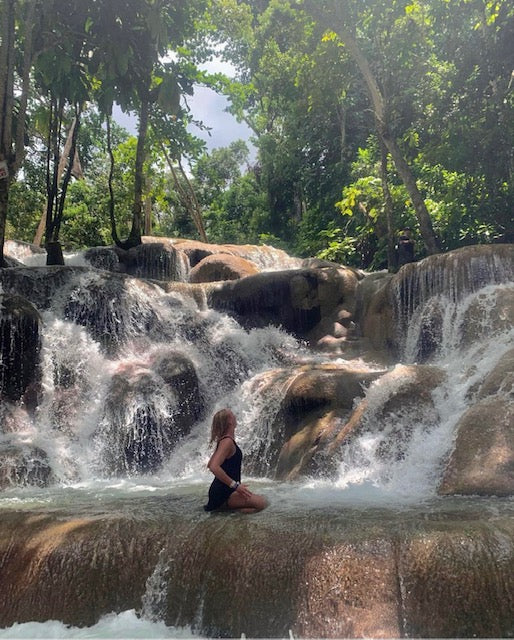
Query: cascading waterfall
point(456, 318)
point(130, 374)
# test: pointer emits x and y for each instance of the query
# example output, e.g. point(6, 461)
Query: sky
point(209, 107)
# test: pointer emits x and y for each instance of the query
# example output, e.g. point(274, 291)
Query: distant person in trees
point(226, 490)
point(405, 248)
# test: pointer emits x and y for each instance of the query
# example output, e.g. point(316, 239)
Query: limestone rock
point(20, 343)
point(148, 408)
point(408, 400)
point(482, 462)
point(318, 400)
point(155, 260)
point(418, 288)
point(103, 258)
point(222, 266)
point(297, 299)
point(328, 572)
point(24, 466)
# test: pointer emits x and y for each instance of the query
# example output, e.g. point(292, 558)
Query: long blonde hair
point(220, 424)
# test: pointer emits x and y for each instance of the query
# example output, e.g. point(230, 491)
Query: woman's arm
point(226, 448)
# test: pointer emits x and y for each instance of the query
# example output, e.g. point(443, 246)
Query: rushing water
point(83, 430)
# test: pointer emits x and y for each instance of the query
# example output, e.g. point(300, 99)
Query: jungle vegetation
point(366, 118)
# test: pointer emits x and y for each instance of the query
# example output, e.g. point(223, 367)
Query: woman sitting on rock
point(226, 490)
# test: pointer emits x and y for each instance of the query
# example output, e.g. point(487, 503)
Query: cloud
point(210, 108)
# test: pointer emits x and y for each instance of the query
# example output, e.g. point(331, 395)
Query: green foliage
point(315, 187)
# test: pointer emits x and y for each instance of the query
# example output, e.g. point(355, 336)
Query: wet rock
point(351, 591)
point(501, 379)
point(489, 313)
point(149, 407)
point(111, 306)
point(24, 466)
point(449, 581)
point(424, 288)
point(20, 344)
point(263, 256)
point(154, 260)
point(103, 258)
point(296, 299)
point(317, 400)
point(406, 400)
point(482, 462)
point(323, 573)
point(222, 266)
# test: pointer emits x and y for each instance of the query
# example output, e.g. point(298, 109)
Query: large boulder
point(408, 401)
point(105, 258)
point(222, 266)
point(20, 344)
point(318, 399)
point(296, 299)
point(112, 307)
point(22, 466)
point(482, 461)
point(424, 290)
point(149, 407)
point(263, 256)
point(154, 260)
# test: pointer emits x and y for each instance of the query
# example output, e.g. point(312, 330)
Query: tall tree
point(131, 40)
point(342, 22)
point(17, 21)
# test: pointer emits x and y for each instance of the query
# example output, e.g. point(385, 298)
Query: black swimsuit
point(219, 493)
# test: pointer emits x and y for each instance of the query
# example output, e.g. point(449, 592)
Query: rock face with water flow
point(149, 408)
point(482, 461)
point(24, 466)
point(432, 282)
point(317, 401)
point(305, 302)
point(326, 577)
point(20, 343)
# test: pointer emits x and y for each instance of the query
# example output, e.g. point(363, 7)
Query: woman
point(226, 490)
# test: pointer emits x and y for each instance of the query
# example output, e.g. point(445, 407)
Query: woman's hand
point(243, 491)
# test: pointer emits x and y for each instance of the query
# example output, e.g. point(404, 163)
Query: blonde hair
point(220, 424)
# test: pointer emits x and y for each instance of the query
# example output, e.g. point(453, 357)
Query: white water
point(125, 625)
point(396, 460)
point(399, 457)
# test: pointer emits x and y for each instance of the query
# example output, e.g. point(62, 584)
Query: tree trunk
point(425, 223)
point(148, 215)
point(6, 110)
point(4, 203)
point(134, 238)
point(112, 218)
point(63, 161)
point(25, 83)
point(189, 199)
point(388, 209)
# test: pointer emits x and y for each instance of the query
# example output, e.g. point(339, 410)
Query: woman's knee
point(259, 502)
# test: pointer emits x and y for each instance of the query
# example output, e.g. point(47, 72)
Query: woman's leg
point(252, 504)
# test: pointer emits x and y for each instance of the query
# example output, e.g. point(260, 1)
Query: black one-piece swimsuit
point(219, 493)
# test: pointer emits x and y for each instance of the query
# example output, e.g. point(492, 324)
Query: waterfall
point(103, 452)
point(456, 313)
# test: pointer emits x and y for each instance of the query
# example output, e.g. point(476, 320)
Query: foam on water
point(125, 625)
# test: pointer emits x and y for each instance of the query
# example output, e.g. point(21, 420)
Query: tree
point(131, 39)
point(18, 21)
point(342, 24)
